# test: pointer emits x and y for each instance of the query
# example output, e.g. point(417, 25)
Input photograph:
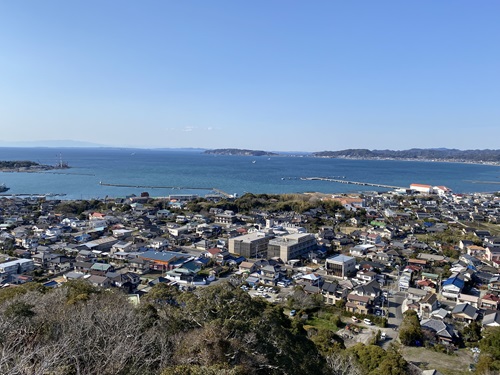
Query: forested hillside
point(417, 154)
point(79, 329)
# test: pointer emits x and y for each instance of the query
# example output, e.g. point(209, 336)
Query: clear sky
point(262, 74)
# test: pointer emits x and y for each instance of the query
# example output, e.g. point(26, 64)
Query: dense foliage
point(410, 332)
point(489, 361)
point(80, 329)
point(13, 164)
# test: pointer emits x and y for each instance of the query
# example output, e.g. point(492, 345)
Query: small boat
point(3, 188)
point(254, 161)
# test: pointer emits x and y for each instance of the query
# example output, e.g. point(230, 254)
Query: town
point(374, 259)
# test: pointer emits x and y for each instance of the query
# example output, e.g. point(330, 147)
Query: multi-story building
point(252, 245)
point(14, 267)
point(340, 265)
point(291, 246)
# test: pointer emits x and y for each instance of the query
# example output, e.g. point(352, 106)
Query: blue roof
point(51, 284)
point(459, 283)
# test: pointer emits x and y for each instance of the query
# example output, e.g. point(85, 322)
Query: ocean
point(178, 172)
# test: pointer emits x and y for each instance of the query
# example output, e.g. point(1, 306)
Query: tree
point(489, 359)
point(472, 332)
point(410, 332)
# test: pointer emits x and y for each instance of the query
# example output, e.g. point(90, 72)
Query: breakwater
point(215, 190)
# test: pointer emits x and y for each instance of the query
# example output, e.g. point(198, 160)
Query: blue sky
point(273, 75)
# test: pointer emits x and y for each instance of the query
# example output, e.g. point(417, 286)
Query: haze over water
point(232, 174)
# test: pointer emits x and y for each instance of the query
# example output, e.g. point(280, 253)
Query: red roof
point(214, 250)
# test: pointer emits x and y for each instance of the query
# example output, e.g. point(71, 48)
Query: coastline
point(489, 163)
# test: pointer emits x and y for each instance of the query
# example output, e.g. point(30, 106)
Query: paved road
point(395, 313)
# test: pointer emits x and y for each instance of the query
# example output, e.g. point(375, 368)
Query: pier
point(351, 182)
point(483, 182)
point(215, 190)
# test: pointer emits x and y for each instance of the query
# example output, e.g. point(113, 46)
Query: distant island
point(28, 166)
point(418, 154)
point(240, 152)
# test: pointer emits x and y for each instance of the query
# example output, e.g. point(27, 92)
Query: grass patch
point(447, 364)
point(494, 229)
point(325, 321)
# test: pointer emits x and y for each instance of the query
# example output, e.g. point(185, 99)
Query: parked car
point(354, 319)
point(383, 336)
point(367, 322)
point(293, 312)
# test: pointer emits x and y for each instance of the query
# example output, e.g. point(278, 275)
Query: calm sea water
point(232, 174)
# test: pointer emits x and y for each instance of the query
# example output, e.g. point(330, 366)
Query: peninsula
point(28, 166)
point(240, 152)
point(418, 154)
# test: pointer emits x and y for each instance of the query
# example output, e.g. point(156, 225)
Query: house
point(491, 319)
point(159, 243)
point(465, 312)
point(490, 302)
point(364, 277)
point(162, 260)
point(269, 275)
point(467, 298)
point(360, 250)
point(439, 314)
point(359, 304)
point(427, 285)
point(223, 257)
point(99, 281)
point(83, 267)
point(372, 290)
point(452, 286)
point(442, 332)
point(333, 292)
point(494, 284)
point(492, 254)
point(127, 281)
point(247, 267)
point(311, 279)
point(101, 269)
point(138, 265)
point(121, 246)
point(428, 304)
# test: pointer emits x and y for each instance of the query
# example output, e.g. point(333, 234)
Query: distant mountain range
point(50, 143)
point(427, 154)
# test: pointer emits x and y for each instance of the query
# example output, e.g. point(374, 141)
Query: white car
point(367, 322)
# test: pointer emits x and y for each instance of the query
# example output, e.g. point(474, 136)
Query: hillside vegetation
point(80, 329)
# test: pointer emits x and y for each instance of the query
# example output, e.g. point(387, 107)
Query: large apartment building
point(291, 246)
point(252, 245)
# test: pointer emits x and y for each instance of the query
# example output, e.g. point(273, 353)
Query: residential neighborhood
point(375, 256)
